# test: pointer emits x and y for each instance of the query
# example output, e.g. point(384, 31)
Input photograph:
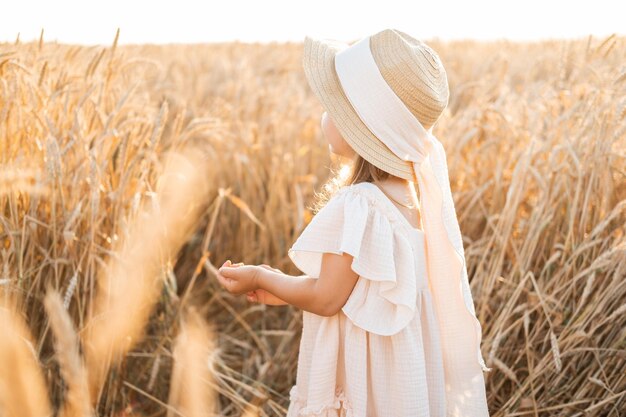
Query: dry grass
point(72, 367)
point(192, 390)
point(129, 172)
point(22, 383)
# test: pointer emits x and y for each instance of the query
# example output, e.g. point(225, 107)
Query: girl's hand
point(260, 295)
point(238, 279)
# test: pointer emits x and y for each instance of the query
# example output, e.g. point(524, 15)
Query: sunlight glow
point(188, 21)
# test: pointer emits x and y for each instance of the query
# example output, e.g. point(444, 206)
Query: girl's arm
point(265, 297)
point(324, 295)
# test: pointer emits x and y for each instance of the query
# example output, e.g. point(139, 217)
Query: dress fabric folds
point(381, 355)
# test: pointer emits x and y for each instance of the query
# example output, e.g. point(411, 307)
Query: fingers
point(237, 279)
point(225, 276)
point(225, 269)
point(229, 263)
point(227, 272)
point(226, 282)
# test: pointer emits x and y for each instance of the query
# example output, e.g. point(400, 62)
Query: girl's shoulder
point(373, 199)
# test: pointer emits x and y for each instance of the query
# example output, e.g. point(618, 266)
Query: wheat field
point(130, 172)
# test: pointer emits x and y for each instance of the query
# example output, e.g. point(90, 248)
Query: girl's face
point(336, 143)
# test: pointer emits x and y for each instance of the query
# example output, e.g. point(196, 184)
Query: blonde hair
point(358, 170)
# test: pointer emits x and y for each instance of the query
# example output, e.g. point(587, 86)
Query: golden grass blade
point(241, 205)
point(77, 401)
point(23, 391)
point(192, 390)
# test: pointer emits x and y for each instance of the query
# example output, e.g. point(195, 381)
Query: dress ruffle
point(340, 406)
point(383, 300)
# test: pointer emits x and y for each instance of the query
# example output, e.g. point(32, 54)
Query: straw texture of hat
point(410, 67)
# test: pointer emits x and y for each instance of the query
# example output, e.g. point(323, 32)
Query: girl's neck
point(395, 183)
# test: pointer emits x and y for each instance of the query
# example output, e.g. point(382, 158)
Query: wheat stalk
point(77, 400)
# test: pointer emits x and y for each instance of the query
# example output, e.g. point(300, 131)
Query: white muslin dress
point(381, 354)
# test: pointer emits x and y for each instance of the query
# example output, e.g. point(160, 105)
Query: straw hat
point(411, 68)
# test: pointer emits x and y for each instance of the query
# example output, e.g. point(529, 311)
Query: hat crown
point(414, 72)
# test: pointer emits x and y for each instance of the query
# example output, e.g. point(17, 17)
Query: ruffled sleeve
point(384, 298)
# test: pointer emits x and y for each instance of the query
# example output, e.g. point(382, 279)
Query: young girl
point(389, 327)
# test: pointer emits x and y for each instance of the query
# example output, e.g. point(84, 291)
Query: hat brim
point(318, 62)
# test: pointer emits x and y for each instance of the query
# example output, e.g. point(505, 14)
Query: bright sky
point(182, 21)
